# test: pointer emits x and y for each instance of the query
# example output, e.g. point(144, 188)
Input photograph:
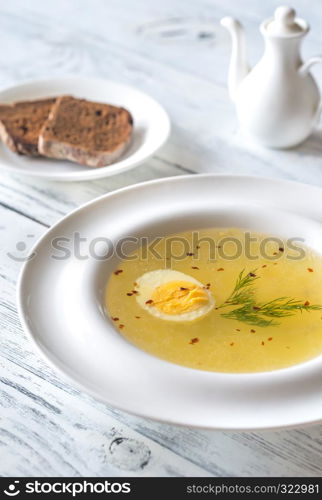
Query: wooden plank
point(45, 434)
point(49, 201)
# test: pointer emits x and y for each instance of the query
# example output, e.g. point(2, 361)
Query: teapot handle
point(305, 67)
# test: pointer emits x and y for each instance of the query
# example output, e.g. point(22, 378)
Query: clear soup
point(266, 293)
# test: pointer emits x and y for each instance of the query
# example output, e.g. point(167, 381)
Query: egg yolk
point(177, 297)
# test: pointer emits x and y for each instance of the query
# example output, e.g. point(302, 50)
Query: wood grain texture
point(176, 52)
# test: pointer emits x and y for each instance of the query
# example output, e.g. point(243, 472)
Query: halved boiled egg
point(173, 296)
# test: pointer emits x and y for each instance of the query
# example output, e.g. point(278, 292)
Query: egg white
point(148, 282)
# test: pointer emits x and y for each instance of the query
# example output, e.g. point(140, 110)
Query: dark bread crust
point(89, 133)
point(21, 122)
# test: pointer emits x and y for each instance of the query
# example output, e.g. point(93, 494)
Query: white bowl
point(61, 304)
point(151, 127)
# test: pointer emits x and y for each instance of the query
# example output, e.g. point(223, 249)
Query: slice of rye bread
point(89, 133)
point(21, 122)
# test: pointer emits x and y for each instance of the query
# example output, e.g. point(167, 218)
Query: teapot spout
point(238, 66)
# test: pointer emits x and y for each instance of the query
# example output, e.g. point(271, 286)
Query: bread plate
point(61, 307)
point(151, 127)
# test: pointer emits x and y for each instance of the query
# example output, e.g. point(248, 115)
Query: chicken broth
point(231, 306)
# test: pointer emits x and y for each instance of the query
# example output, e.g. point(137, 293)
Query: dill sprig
point(284, 306)
point(260, 313)
point(243, 293)
point(246, 314)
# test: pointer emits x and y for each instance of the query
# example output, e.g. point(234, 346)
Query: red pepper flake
point(252, 275)
point(135, 292)
point(252, 331)
point(149, 302)
point(197, 247)
point(256, 308)
point(118, 271)
point(281, 249)
point(190, 254)
point(232, 343)
point(237, 330)
point(208, 285)
point(115, 318)
point(265, 265)
point(137, 317)
point(310, 269)
point(183, 288)
point(121, 327)
point(307, 303)
point(263, 343)
point(270, 338)
point(194, 267)
point(129, 294)
point(194, 341)
point(221, 269)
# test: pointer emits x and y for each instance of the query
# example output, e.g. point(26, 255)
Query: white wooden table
point(176, 52)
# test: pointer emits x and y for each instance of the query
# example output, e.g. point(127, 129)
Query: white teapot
point(278, 101)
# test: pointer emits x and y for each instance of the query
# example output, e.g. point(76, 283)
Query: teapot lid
point(285, 23)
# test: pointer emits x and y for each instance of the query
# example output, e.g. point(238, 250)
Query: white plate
point(151, 127)
point(60, 304)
